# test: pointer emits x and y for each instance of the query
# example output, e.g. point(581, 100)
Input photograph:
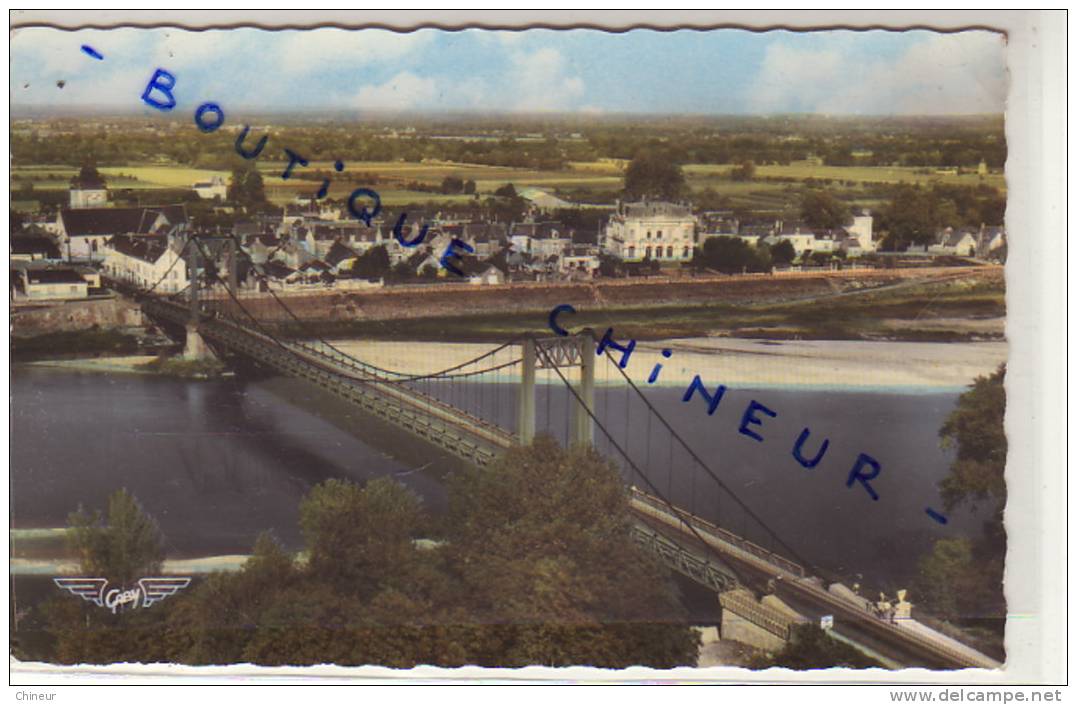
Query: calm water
point(218, 462)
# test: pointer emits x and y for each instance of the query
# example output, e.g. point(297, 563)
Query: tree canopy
point(532, 564)
point(820, 209)
point(246, 188)
point(123, 547)
point(731, 255)
point(961, 578)
point(654, 173)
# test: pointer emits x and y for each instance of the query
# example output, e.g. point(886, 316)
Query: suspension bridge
point(478, 408)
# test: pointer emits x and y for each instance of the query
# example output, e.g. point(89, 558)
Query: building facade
point(655, 230)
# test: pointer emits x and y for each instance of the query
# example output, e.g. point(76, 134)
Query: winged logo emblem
point(148, 592)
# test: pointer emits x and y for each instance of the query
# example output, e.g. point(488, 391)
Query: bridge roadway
point(465, 435)
point(905, 641)
point(477, 441)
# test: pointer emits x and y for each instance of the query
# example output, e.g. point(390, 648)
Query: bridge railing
point(715, 531)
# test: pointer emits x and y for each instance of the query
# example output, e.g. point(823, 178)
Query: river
point(217, 462)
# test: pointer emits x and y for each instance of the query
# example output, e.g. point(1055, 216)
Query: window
point(669, 251)
point(648, 234)
point(687, 252)
point(659, 234)
point(648, 251)
point(631, 251)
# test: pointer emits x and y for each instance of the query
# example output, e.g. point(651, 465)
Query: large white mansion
point(653, 230)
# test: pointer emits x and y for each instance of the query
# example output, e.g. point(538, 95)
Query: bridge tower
point(549, 353)
point(195, 347)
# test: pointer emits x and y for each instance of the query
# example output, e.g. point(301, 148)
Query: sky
point(578, 71)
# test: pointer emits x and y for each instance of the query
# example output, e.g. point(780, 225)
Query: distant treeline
point(546, 145)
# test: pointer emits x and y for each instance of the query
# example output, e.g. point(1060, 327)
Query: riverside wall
point(445, 299)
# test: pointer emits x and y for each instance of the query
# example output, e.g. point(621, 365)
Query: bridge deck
point(904, 635)
point(444, 425)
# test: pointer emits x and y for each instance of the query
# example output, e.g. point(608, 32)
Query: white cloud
point(943, 74)
point(323, 49)
point(541, 81)
point(405, 90)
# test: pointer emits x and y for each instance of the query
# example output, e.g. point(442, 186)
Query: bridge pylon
point(194, 348)
point(549, 353)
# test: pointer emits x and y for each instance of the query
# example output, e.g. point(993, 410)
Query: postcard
point(360, 346)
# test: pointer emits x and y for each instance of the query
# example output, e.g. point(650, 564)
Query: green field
point(390, 180)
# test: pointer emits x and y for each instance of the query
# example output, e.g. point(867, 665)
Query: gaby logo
point(149, 591)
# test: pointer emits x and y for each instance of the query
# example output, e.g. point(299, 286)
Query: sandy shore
point(733, 361)
point(126, 363)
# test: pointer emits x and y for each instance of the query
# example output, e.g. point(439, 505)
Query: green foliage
point(127, 546)
point(372, 264)
point(783, 252)
point(731, 255)
point(360, 538)
point(534, 565)
point(245, 188)
point(810, 647)
point(654, 173)
point(820, 209)
point(506, 191)
point(745, 171)
point(962, 579)
point(540, 540)
point(452, 184)
point(977, 430)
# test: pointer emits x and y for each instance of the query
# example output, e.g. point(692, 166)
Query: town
point(314, 245)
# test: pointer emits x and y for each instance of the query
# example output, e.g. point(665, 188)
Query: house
point(88, 189)
point(340, 258)
point(215, 188)
point(961, 242)
point(146, 261)
point(655, 230)
point(851, 247)
point(489, 276)
point(580, 258)
point(33, 248)
point(83, 231)
point(990, 240)
point(800, 236)
point(53, 284)
point(861, 228)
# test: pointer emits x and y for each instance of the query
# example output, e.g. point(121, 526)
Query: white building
point(214, 188)
point(861, 229)
point(88, 189)
point(145, 261)
point(651, 229)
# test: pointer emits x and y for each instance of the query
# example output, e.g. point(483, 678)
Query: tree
point(372, 264)
point(783, 252)
point(961, 577)
point(360, 538)
point(542, 541)
point(127, 546)
point(654, 173)
point(506, 191)
point(745, 171)
point(245, 187)
point(976, 428)
point(469, 186)
point(452, 184)
point(729, 255)
point(820, 209)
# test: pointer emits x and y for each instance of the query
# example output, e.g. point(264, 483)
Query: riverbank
point(966, 307)
point(139, 365)
point(806, 364)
